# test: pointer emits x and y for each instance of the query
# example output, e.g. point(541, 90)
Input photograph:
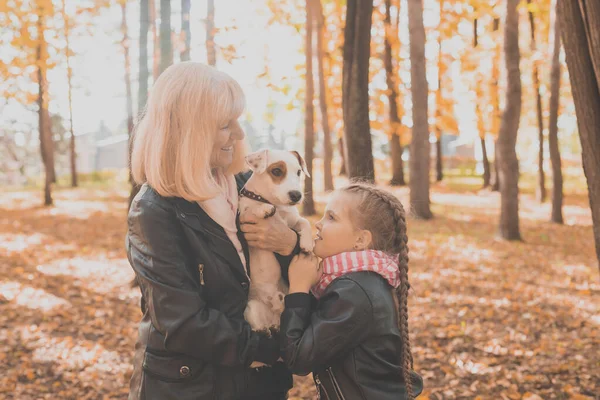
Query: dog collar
point(251, 195)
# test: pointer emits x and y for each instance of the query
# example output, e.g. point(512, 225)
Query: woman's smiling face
point(335, 231)
point(227, 136)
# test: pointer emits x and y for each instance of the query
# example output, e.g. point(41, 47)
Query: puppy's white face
point(278, 175)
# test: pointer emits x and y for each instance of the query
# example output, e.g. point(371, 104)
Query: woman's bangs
point(232, 103)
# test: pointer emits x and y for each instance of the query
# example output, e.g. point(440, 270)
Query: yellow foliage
point(33, 28)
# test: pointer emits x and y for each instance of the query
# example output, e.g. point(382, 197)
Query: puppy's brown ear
point(302, 163)
point(258, 161)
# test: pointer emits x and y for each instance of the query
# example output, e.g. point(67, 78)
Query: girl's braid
point(398, 246)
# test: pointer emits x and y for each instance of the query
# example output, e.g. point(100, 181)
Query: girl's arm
point(310, 338)
point(175, 302)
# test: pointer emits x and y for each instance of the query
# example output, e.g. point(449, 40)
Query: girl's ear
point(364, 239)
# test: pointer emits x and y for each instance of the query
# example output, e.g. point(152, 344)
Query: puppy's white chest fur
point(267, 288)
point(276, 188)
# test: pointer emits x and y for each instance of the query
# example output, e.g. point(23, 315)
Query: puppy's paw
point(269, 212)
point(306, 243)
point(277, 302)
point(264, 211)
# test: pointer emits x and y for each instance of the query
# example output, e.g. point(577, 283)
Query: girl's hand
point(304, 272)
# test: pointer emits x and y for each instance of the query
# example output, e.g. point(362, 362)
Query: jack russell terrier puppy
point(274, 187)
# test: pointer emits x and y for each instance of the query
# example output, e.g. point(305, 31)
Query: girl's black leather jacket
point(347, 340)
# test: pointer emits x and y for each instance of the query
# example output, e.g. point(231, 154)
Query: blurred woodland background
point(482, 116)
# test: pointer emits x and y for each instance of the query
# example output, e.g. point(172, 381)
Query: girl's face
point(335, 231)
point(222, 154)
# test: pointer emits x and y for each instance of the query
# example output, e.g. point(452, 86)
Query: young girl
point(353, 334)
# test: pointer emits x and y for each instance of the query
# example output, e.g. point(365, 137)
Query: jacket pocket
point(170, 368)
point(177, 377)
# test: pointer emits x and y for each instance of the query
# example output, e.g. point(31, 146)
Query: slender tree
point(143, 74)
point(45, 129)
point(155, 40)
point(317, 8)
point(509, 127)
point(72, 152)
point(580, 30)
point(211, 52)
point(439, 169)
point(185, 29)
point(480, 117)
point(557, 178)
point(143, 56)
point(166, 46)
point(127, 75)
point(355, 90)
point(419, 146)
point(541, 187)
point(342, 150)
point(495, 186)
point(391, 76)
point(308, 207)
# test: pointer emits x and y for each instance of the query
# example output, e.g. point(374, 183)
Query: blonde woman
point(189, 257)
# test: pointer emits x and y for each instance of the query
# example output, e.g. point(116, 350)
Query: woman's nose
point(237, 132)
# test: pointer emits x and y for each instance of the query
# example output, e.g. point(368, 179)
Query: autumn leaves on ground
point(489, 319)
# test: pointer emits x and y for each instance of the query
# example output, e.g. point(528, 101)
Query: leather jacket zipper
point(320, 387)
point(336, 386)
point(201, 271)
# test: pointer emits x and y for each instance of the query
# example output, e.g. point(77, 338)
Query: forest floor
point(489, 319)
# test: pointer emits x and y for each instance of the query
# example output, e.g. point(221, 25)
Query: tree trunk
point(155, 41)
point(327, 146)
point(185, 30)
point(143, 74)
point(480, 123)
point(438, 106)
point(392, 86)
point(355, 90)
point(419, 146)
point(143, 56)
point(438, 160)
point(509, 127)
point(397, 162)
point(495, 187)
point(541, 188)
point(129, 100)
point(72, 153)
point(45, 133)
point(581, 39)
point(557, 178)
point(308, 206)
point(166, 47)
point(486, 164)
point(211, 53)
point(342, 150)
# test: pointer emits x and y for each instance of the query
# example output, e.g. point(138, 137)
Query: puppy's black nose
point(295, 196)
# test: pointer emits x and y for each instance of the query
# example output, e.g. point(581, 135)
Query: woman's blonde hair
point(174, 138)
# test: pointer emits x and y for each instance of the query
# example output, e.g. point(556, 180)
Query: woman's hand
point(270, 234)
point(305, 271)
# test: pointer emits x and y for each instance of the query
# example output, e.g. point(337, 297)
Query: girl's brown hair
point(383, 215)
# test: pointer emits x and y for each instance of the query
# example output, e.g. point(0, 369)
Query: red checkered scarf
point(355, 261)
